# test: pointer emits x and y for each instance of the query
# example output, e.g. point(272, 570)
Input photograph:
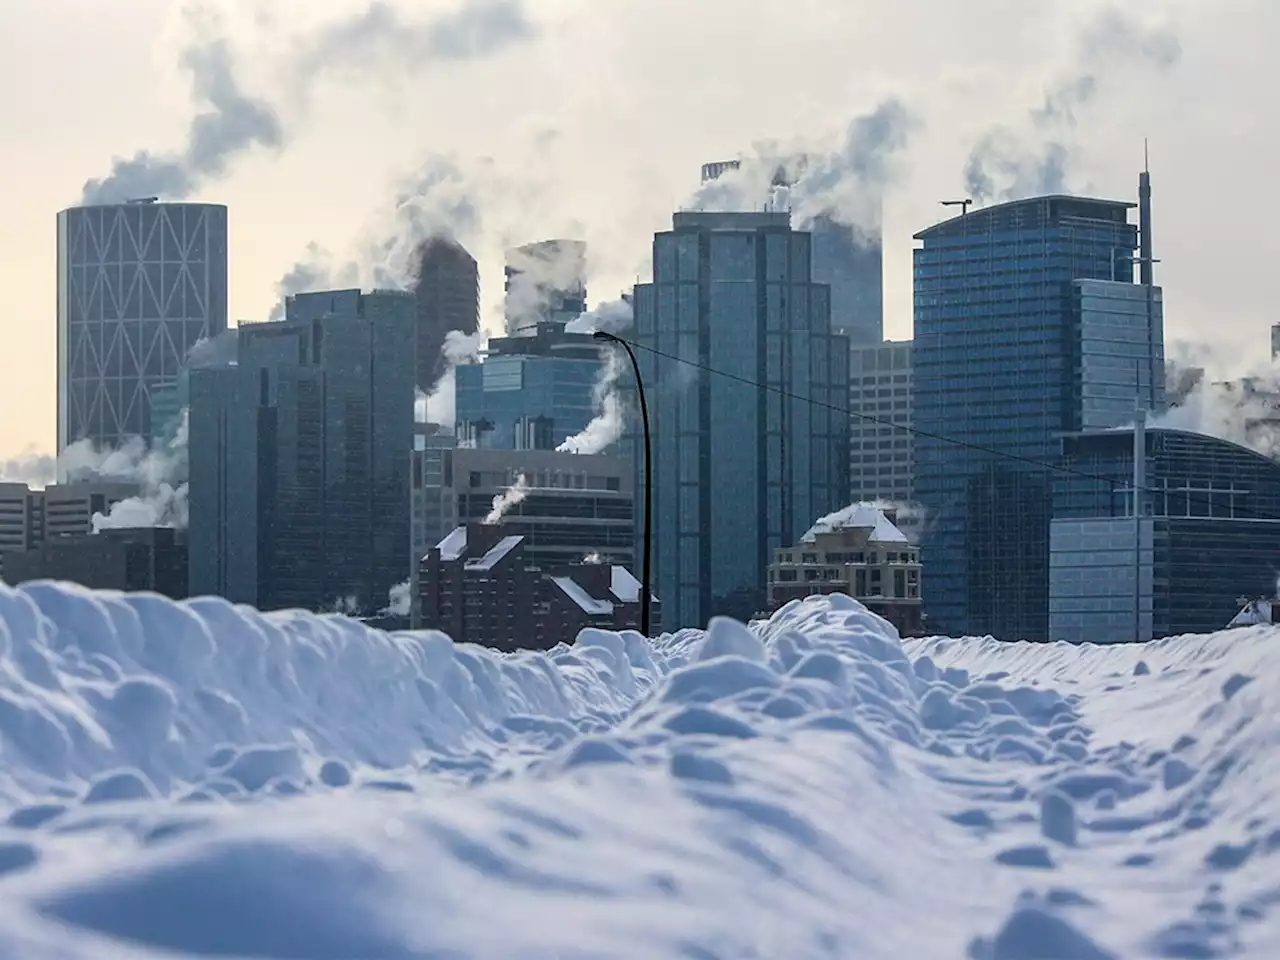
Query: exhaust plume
point(543, 275)
point(399, 601)
point(607, 426)
point(36, 470)
point(315, 271)
point(1032, 158)
point(161, 473)
point(382, 36)
point(843, 182)
point(440, 405)
point(505, 501)
point(231, 124)
point(612, 317)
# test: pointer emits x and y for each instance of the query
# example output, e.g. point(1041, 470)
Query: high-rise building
point(880, 422)
point(139, 284)
point(299, 457)
point(546, 282)
point(850, 261)
point(447, 288)
point(1027, 326)
point(532, 392)
point(750, 424)
point(1210, 534)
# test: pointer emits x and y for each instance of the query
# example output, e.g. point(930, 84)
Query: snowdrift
point(198, 778)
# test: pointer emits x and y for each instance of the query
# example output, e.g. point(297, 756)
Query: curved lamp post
point(646, 574)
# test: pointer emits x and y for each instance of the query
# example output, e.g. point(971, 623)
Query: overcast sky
point(591, 118)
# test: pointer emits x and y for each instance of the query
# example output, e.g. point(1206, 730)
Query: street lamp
point(646, 574)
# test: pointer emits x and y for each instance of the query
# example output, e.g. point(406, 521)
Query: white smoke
point(543, 272)
point(612, 317)
point(843, 179)
point(1033, 157)
point(607, 425)
point(594, 559)
point(37, 470)
point(1245, 411)
point(399, 600)
point(509, 498)
point(160, 473)
point(440, 406)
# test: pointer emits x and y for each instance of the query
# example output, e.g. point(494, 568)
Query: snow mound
point(202, 779)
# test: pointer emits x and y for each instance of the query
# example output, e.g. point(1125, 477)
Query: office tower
point(1209, 535)
point(138, 285)
point(1027, 326)
point(741, 466)
point(546, 282)
point(447, 288)
point(849, 261)
point(299, 457)
point(532, 392)
point(1275, 340)
point(880, 422)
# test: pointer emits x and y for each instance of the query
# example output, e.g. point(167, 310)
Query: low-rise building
point(30, 517)
point(859, 552)
point(152, 559)
point(478, 586)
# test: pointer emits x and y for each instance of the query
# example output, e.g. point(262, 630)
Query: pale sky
point(595, 123)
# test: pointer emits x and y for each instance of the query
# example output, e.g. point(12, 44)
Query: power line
point(1031, 461)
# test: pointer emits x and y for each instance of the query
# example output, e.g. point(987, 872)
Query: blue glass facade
point(738, 470)
point(299, 457)
point(1211, 534)
point(530, 393)
point(1006, 360)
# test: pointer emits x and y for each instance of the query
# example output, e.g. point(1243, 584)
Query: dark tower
point(1146, 266)
point(447, 288)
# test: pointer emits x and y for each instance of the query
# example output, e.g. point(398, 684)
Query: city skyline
point(596, 172)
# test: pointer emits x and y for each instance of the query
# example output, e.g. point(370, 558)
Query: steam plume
point(1032, 158)
point(844, 182)
point(315, 271)
point(612, 317)
point(505, 501)
point(230, 124)
point(380, 35)
point(160, 472)
point(543, 275)
point(607, 425)
point(399, 600)
point(440, 406)
point(31, 467)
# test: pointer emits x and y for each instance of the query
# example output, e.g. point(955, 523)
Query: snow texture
point(202, 779)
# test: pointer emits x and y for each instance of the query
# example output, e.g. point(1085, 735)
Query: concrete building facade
point(143, 559)
point(880, 464)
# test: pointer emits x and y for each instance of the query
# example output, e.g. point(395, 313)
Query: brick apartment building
point(476, 586)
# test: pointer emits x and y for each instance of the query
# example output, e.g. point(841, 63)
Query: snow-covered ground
point(201, 779)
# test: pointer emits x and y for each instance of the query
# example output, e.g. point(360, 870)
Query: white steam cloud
point(543, 275)
point(440, 406)
point(161, 474)
point(230, 123)
point(843, 180)
point(607, 425)
point(35, 469)
point(508, 499)
point(399, 600)
point(1245, 411)
point(1011, 162)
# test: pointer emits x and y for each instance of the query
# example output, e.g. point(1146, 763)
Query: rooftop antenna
point(962, 204)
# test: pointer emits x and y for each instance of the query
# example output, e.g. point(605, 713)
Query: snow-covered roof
point(453, 546)
point(624, 586)
point(1253, 613)
point(494, 554)
point(860, 516)
point(587, 603)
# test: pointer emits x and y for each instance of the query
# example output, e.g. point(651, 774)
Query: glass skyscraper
point(739, 469)
point(299, 457)
point(139, 284)
point(1210, 535)
point(1027, 325)
point(532, 392)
